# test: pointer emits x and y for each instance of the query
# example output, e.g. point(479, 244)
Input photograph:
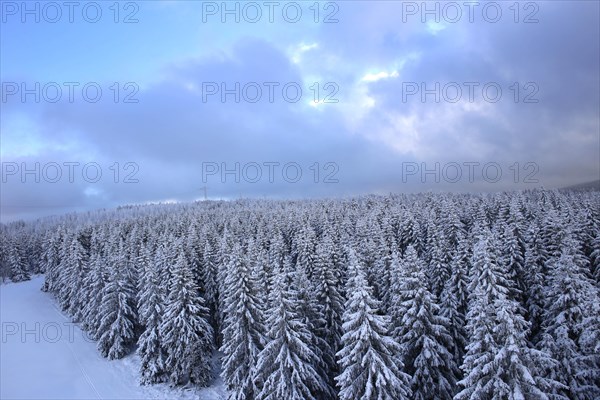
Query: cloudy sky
point(106, 104)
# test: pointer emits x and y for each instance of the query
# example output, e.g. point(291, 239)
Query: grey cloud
point(171, 131)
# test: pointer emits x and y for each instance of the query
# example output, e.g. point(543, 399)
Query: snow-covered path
point(44, 356)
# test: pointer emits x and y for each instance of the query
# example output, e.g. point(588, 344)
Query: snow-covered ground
point(45, 356)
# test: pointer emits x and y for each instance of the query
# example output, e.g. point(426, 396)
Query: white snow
point(45, 356)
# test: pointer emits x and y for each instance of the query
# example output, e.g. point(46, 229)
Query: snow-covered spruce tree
point(338, 257)
point(589, 341)
point(163, 259)
point(287, 367)
point(4, 267)
point(330, 302)
point(452, 226)
point(480, 221)
point(595, 256)
point(486, 270)
point(244, 327)
point(423, 336)
point(305, 243)
point(78, 260)
point(477, 364)
point(209, 278)
point(438, 268)
point(64, 273)
point(571, 298)
point(551, 234)
point(535, 282)
point(402, 287)
point(33, 251)
point(369, 358)
point(277, 250)
point(518, 370)
point(499, 362)
point(394, 268)
point(51, 259)
point(454, 299)
point(150, 306)
point(193, 250)
point(94, 281)
point(382, 270)
point(512, 256)
point(117, 313)
point(73, 267)
point(224, 250)
point(486, 286)
point(262, 273)
point(94, 284)
point(186, 336)
point(409, 231)
point(585, 226)
point(17, 263)
point(310, 313)
point(30, 251)
point(366, 237)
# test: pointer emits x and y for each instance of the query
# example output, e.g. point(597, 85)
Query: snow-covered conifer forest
point(429, 296)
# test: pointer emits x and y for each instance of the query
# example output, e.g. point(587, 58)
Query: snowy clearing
point(45, 356)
